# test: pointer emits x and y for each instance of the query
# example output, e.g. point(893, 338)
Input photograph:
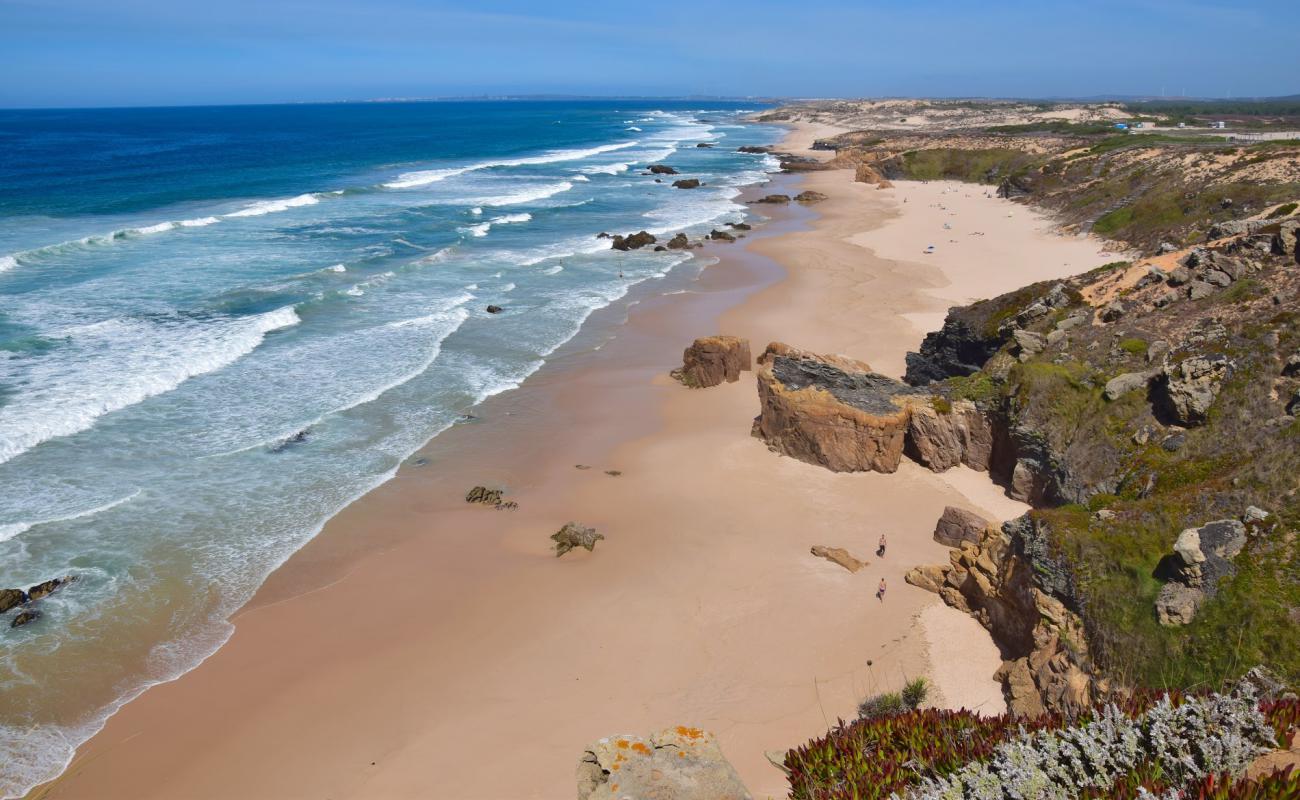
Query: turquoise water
point(219, 326)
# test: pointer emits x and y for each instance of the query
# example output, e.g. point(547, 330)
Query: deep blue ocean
point(219, 326)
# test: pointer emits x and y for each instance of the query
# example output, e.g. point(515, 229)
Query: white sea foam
point(10, 530)
point(478, 230)
point(7, 263)
point(553, 270)
point(425, 177)
point(634, 128)
point(582, 178)
point(106, 366)
point(336, 268)
point(476, 211)
point(530, 195)
point(605, 169)
point(273, 206)
point(198, 223)
point(507, 219)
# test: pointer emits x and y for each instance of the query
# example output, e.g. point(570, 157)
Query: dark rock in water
point(11, 598)
point(285, 444)
point(574, 535)
point(679, 242)
point(602, 235)
point(753, 148)
point(687, 183)
point(660, 248)
point(24, 617)
point(809, 197)
point(721, 236)
point(464, 418)
point(774, 198)
point(494, 309)
point(739, 226)
point(633, 241)
point(704, 144)
point(484, 495)
point(49, 587)
point(662, 169)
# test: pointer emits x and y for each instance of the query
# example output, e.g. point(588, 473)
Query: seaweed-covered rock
point(678, 242)
point(711, 360)
point(634, 241)
point(832, 410)
point(721, 236)
point(680, 763)
point(47, 588)
point(11, 598)
point(687, 183)
point(24, 617)
point(574, 535)
point(809, 197)
point(662, 169)
point(777, 199)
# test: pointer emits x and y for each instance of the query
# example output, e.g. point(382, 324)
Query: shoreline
point(416, 639)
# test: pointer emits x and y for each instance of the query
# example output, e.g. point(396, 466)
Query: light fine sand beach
point(423, 647)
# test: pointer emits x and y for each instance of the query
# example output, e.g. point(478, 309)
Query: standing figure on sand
point(880, 551)
point(880, 592)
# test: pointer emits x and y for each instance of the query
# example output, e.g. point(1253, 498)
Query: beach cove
point(420, 646)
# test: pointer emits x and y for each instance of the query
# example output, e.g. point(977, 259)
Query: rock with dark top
point(678, 763)
point(704, 144)
point(774, 199)
point(494, 309)
point(721, 236)
point(662, 169)
point(678, 242)
point(602, 235)
point(809, 197)
point(957, 525)
point(711, 360)
point(24, 617)
point(47, 588)
point(574, 535)
point(484, 495)
point(739, 226)
point(1185, 391)
point(11, 598)
point(832, 411)
point(752, 148)
point(1202, 558)
point(687, 183)
point(633, 241)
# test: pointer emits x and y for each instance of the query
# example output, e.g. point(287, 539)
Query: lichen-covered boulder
point(1188, 389)
point(678, 763)
point(832, 410)
point(712, 360)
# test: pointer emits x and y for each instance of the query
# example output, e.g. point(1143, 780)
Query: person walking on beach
point(880, 593)
point(880, 551)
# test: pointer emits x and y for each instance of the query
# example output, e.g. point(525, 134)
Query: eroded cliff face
point(1046, 664)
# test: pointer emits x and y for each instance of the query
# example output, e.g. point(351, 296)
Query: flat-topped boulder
point(680, 763)
point(833, 411)
point(687, 183)
point(712, 360)
point(809, 197)
point(633, 241)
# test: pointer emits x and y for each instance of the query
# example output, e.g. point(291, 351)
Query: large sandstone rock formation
point(1046, 655)
point(961, 435)
point(713, 359)
point(958, 526)
point(838, 555)
point(675, 764)
point(832, 410)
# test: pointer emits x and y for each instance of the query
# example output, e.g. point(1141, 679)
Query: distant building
point(1219, 124)
point(1123, 126)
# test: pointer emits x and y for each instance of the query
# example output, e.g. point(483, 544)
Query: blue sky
point(136, 52)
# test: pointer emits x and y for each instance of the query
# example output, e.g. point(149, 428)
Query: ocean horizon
point(219, 326)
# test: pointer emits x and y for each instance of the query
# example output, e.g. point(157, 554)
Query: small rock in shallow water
point(10, 598)
point(494, 309)
point(24, 617)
